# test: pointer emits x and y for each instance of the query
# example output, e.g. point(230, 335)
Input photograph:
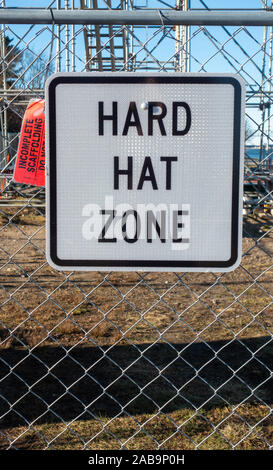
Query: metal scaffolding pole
point(3, 107)
point(182, 43)
point(136, 17)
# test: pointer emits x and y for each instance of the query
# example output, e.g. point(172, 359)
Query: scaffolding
point(122, 35)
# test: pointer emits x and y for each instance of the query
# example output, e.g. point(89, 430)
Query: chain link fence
point(134, 360)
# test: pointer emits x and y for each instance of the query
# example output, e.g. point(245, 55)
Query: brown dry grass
point(113, 359)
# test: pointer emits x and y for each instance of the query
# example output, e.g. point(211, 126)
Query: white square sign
point(144, 171)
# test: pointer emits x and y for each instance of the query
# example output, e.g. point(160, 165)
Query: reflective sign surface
point(144, 171)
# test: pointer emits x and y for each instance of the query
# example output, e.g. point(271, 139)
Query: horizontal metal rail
point(138, 17)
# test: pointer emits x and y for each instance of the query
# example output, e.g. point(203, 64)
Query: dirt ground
point(134, 360)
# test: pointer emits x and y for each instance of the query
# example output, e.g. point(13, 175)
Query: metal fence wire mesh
point(134, 360)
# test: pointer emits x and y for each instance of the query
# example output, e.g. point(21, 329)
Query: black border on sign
point(145, 80)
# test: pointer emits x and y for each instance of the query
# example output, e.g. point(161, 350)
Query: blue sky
point(215, 49)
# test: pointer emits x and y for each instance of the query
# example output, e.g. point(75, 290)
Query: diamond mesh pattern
point(134, 360)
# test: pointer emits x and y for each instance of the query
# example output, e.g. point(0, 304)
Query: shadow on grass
point(51, 385)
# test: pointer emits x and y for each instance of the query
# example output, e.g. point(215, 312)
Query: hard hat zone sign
point(144, 171)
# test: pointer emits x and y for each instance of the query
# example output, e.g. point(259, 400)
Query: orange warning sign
point(30, 160)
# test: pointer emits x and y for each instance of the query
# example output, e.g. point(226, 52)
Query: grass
point(133, 360)
point(216, 428)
